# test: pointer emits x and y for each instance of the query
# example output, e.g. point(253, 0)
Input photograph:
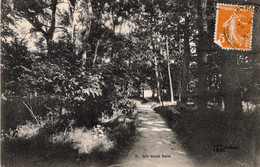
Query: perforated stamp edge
point(216, 25)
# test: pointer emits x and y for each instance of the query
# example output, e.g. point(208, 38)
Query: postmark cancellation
point(233, 28)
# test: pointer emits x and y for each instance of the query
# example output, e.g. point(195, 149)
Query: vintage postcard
point(130, 83)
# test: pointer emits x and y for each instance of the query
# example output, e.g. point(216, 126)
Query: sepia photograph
point(130, 83)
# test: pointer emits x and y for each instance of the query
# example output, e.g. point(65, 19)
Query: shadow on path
point(156, 144)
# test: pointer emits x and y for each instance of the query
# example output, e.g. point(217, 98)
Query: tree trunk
point(231, 83)
point(169, 69)
point(186, 63)
point(153, 92)
point(202, 57)
point(95, 54)
point(73, 25)
point(231, 89)
point(50, 32)
point(49, 42)
point(161, 90)
point(157, 80)
point(143, 90)
point(139, 90)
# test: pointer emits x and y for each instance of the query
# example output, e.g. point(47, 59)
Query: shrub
point(126, 106)
point(84, 140)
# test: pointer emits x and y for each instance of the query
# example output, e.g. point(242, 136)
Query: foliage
point(126, 107)
point(82, 65)
point(85, 141)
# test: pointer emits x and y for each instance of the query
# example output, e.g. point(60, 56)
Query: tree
point(166, 16)
point(186, 57)
point(202, 56)
point(231, 83)
point(7, 19)
point(169, 70)
point(41, 15)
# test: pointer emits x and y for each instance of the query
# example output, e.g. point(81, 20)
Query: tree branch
point(31, 112)
point(36, 23)
point(95, 55)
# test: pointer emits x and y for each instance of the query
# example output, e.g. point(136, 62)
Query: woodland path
point(156, 144)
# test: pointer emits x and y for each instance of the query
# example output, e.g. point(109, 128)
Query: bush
point(126, 107)
point(13, 114)
point(96, 145)
point(84, 140)
point(60, 89)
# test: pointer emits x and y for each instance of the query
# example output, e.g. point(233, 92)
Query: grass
point(199, 132)
point(39, 152)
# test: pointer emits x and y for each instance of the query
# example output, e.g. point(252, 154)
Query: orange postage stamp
point(233, 29)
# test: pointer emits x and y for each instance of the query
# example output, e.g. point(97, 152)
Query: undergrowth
point(200, 132)
point(70, 149)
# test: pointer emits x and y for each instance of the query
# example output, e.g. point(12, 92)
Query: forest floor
point(156, 144)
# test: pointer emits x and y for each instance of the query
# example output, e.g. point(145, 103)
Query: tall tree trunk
point(202, 57)
point(186, 63)
point(180, 49)
point(157, 80)
point(231, 83)
point(169, 69)
point(231, 89)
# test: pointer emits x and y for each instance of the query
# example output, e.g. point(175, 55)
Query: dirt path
point(156, 145)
